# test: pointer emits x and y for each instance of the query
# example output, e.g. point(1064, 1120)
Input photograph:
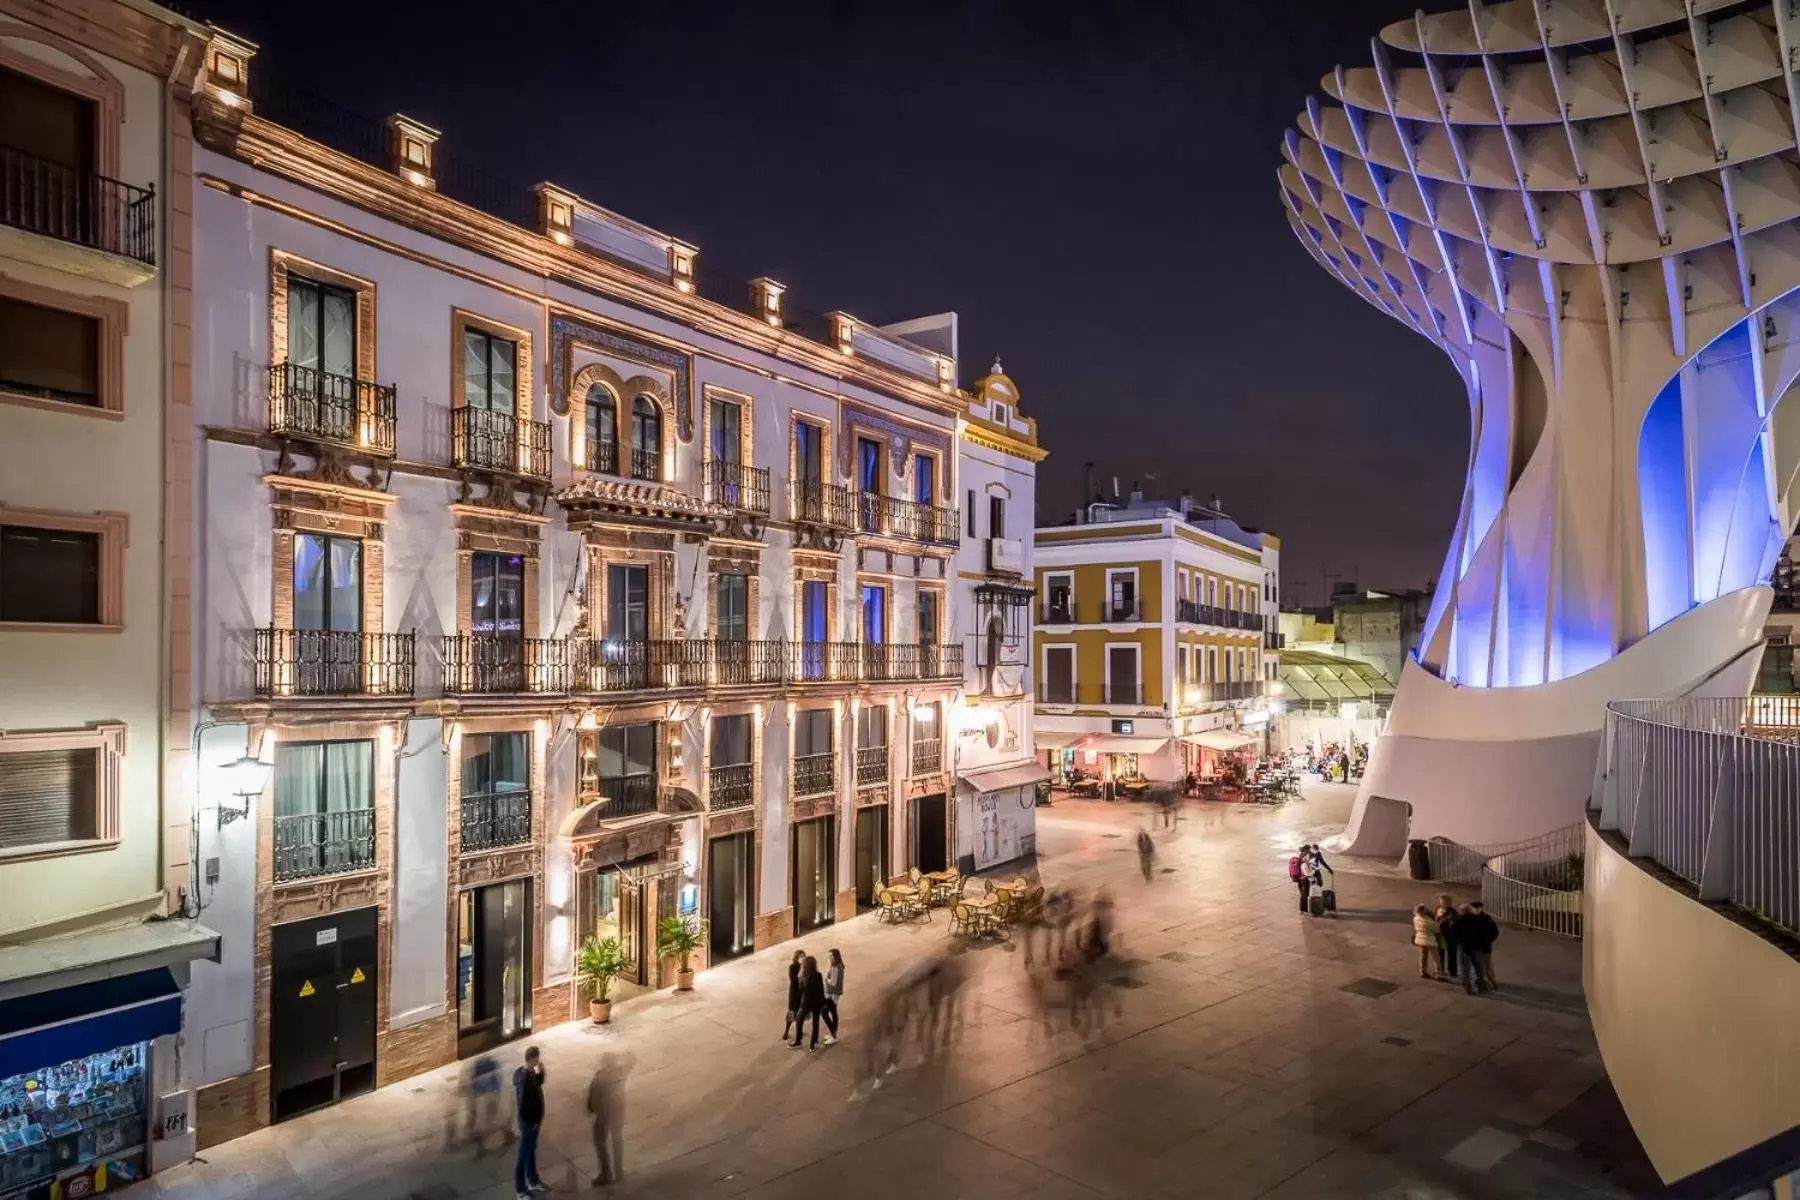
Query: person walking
point(1476, 933)
point(1299, 871)
point(1425, 937)
point(812, 1001)
point(528, 1101)
point(1446, 914)
point(793, 1005)
point(834, 991)
point(606, 1101)
point(1146, 848)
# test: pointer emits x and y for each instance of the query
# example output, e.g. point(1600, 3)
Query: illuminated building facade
point(1590, 212)
point(1156, 637)
point(564, 590)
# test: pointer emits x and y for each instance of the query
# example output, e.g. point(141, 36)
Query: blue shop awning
point(46, 1028)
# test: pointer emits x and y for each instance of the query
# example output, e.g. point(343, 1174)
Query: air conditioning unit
point(1006, 554)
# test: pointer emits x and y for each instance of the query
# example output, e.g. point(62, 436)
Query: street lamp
point(247, 776)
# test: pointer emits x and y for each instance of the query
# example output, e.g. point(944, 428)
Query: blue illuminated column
point(1599, 225)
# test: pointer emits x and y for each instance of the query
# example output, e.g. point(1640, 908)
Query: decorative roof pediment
point(596, 498)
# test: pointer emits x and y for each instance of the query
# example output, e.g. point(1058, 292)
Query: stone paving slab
point(1235, 1064)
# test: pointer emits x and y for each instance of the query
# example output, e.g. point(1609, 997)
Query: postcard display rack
point(74, 1129)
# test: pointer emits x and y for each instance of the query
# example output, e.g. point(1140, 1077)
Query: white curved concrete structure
point(1593, 208)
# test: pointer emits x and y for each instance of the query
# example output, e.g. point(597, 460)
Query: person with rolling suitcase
point(1325, 892)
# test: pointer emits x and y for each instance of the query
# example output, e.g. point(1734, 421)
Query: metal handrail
point(321, 406)
point(80, 207)
point(499, 441)
point(494, 819)
point(814, 774)
point(308, 845)
point(731, 785)
point(737, 485)
point(332, 662)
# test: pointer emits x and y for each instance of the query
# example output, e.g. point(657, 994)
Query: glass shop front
point(76, 1128)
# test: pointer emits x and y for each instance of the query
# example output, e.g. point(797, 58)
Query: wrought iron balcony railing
point(628, 795)
point(737, 485)
point(84, 209)
point(732, 785)
point(608, 665)
point(603, 457)
point(871, 765)
point(913, 521)
point(499, 665)
point(737, 663)
point(1187, 611)
point(498, 441)
point(319, 406)
point(1057, 614)
point(494, 819)
point(813, 502)
point(1056, 693)
point(815, 774)
point(308, 845)
point(927, 756)
point(331, 662)
point(1122, 693)
point(647, 465)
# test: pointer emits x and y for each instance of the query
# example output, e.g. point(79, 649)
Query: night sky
point(1091, 186)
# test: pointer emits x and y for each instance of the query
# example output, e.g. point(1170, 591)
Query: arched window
point(602, 431)
point(646, 439)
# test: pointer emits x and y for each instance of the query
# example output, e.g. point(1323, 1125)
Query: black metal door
point(322, 1011)
point(731, 894)
point(871, 853)
point(933, 831)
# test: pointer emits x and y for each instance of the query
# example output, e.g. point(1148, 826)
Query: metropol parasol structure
point(1593, 208)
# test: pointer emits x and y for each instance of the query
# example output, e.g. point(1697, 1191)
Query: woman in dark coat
point(793, 1008)
point(812, 1001)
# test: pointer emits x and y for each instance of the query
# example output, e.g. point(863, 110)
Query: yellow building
point(1154, 641)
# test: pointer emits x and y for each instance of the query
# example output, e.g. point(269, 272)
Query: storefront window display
point(76, 1128)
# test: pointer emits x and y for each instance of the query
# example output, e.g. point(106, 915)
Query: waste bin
point(1418, 858)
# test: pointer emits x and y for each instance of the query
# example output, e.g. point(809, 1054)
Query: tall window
point(1122, 674)
point(928, 617)
point(872, 726)
point(490, 371)
point(321, 332)
point(874, 614)
point(1059, 598)
point(324, 808)
point(646, 439)
point(495, 762)
point(1212, 664)
point(1122, 589)
point(996, 516)
point(969, 512)
point(924, 479)
point(812, 732)
point(627, 602)
point(49, 575)
point(813, 624)
point(602, 431)
point(809, 453)
point(727, 431)
point(49, 353)
point(1059, 674)
point(497, 595)
point(47, 122)
point(627, 752)
point(733, 616)
point(731, 740)
point(868, 466)
point(327, 582)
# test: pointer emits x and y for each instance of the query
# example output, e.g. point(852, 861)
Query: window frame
point(107, 740)
point(111, 320)
point(1044, 653)
point(1137, 653)
point(114, 532)
point(362, 581)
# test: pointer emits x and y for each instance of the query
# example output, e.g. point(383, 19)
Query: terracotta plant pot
point(684, 980)
point(600, 1010)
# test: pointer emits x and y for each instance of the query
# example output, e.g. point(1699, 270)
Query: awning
point(1105, 743)
point(1224, 739)
point(47, 1028)
point(1056, 739)
point(1000, 779)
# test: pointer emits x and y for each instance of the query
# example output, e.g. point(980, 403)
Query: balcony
point(308, 845)
point(1221, 690)
point(330, 662)
point(491, 820)
point(814, 774)
point(55, 216)
point(738, 486)
point(1273, 640)
point(628, 795)
point(647, 465)
point(484, 440)
point(927, 756)
point(498, 665)
point(318, 406)
point(1187, 612)
point(635, 666)
point(871, 765)
point(1057, 614)
point(602, 457)
point(743, 663)
point(811, 502)
point(908, 520)
point(1056, 693)
point(730, 786)
point(1122, 692)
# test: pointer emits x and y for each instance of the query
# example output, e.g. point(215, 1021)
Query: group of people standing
point(482, 1115)
point(813, 994)
point(1456, 943)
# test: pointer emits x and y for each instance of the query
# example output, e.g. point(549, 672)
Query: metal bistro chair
point(963, 920)
point(889, 909)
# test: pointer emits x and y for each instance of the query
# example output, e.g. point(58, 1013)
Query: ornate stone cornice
point(595, 496)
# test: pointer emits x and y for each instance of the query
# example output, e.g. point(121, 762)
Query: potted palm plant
point(598, 962)
point(679, 938)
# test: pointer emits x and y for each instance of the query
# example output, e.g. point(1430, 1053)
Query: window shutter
point(49, 796)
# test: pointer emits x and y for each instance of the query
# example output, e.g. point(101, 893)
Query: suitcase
point(1330, 899)
point(1315, 904)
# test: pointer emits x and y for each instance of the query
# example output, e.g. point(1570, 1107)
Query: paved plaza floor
point(1257, 1052)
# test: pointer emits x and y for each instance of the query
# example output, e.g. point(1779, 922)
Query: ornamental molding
point(567, 332)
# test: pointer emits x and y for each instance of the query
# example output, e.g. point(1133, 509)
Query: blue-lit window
point(327, 582)
point(497, 594)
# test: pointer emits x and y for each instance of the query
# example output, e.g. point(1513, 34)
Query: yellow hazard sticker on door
point(357, 976)
point(306, 989)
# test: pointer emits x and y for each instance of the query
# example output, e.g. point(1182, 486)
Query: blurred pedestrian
point(606, 1102)
point(528, 1102)
point(1425, 937)
point(1476, 933)
point(834, 992)
point(812, 1001)
point(1146, 848)
point(793, 1003)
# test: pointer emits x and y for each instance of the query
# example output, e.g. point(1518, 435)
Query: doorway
point(323, 982)
point(930, 830)
point(871, 853)
point(493, 965)
point(621, 901)
point(815, 876)
point(731, 896)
